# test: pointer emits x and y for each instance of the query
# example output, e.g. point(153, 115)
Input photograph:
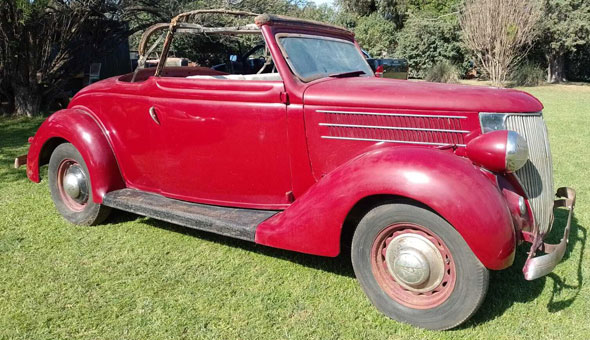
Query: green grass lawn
point(138, 278)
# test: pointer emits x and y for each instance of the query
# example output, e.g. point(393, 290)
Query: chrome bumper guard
point(20, 161)
point(538, 266)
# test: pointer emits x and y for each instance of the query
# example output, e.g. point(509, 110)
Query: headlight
point(499, 151)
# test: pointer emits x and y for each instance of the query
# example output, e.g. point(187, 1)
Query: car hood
point(418, 95)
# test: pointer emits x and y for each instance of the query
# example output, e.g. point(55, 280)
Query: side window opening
point(208, 43)
point(210, 56)
point(242, 61)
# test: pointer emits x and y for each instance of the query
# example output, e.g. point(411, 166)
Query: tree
point(398, 11)
point(427, 41)
point(576, 64)
point(566, 29)
point(499, 33)
point(43, 42)
point(424, 32)
point(392, 10)
point(360, 7)
point(376, 35)
point(322, 13)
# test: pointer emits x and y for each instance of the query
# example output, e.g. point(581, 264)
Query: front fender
point(450, 185)
point(79, 128)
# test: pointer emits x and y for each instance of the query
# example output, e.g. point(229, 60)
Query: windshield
point(313, 57)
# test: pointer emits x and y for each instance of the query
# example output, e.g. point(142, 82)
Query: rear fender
point(81, 129)
point(450, 185)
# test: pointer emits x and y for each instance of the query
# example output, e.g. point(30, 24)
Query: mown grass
point(138, 278)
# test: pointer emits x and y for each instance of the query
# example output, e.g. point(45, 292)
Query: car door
point(135, 138)
point(224, 141)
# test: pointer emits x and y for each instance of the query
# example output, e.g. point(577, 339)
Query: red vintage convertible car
point(428, 185)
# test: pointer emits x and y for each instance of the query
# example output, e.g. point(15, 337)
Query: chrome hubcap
point(75, 184)
point(415, 262)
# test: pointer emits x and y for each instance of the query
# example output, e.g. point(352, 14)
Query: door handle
point(154, 116)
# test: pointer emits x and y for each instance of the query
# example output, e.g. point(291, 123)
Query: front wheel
point(71, 188)
point(416, 268)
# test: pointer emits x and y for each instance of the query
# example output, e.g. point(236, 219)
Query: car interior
point(254, 65)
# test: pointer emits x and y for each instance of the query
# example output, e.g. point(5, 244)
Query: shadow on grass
point(560, 299)
point(509, 286)
point(339, 265)
point(506, 287)
point(14, 133)
point(119, 216)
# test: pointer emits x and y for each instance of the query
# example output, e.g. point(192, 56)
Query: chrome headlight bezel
point(517, 151)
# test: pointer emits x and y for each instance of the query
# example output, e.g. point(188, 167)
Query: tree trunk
point(6, 103)
point(27, 101)
point(556, 68)
point(9, 108)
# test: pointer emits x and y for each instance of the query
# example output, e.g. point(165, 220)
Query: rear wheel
point(416, 268)
point(71, 188)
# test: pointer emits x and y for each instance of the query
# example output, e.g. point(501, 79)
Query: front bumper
point(537, 266)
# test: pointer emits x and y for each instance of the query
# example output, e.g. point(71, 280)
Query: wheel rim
point(413, 266)
point(72, 184)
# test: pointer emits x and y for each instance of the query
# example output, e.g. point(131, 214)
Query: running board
point(233, 222)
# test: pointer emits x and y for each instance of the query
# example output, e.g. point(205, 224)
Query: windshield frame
point(278, 36)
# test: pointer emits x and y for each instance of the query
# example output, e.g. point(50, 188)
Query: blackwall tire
point(66, 163)
point(416, 268)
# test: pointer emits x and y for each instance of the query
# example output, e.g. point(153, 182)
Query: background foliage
point(566, 37)
point(425, 41)
point(35, 40)
point(376, 35)
point(443, 72)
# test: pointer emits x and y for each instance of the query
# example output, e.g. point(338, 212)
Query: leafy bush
point(528, 74)
point(443, 72)
point(425, 42)
point(576, 64)
point(375, 34)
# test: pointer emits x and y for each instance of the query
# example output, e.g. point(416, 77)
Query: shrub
point(375, 34)
point(443, 72)
point(576, 64)
point(425, 42)
point(528, 74)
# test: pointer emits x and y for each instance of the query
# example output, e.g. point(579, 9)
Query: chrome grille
point(536, 176)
